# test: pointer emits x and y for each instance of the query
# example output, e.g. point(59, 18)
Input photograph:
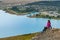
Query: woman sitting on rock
point(47, 26)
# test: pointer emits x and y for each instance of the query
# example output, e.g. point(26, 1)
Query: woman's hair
point(49, 21)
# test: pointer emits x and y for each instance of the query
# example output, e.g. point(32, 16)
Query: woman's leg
point(44, 29)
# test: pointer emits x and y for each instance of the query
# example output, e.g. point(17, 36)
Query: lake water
point(12, 25)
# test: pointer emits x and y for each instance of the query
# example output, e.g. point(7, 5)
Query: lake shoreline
point(34, 16)
point(43, 16)
point(14, 13)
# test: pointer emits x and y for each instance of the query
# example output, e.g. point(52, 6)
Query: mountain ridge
point(51, 3)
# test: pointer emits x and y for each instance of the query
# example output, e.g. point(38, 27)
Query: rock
point(49, 34)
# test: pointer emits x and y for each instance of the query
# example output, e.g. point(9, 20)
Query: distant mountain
point(5, 3)
point(22, 1)
point(28, 2)
point(51, 3)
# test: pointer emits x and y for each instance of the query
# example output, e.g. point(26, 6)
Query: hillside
point(47, 3)
point(20, 37)
point(49, 34)
point(20, 1)
point(10, 3)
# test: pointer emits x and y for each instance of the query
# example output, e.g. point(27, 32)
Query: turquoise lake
point(12, 25)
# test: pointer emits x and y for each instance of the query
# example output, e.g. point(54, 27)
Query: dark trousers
point(44, 29)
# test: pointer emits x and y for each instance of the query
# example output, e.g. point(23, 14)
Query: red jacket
point(48, 24)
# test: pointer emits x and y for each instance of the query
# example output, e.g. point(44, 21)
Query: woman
point(47, 26)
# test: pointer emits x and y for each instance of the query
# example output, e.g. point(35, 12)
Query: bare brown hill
point(10, 3)
point(16, 1)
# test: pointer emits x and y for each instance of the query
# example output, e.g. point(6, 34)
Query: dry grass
point(20, 37)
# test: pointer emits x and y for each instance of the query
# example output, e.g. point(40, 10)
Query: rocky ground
point(49, 34)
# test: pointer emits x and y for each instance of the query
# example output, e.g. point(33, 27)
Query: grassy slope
point(53, 34)
point(21, 37)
